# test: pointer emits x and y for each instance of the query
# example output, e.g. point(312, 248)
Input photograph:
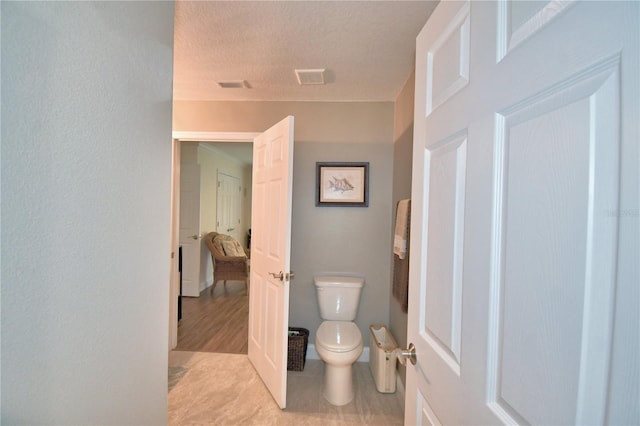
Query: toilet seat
point(338, 336)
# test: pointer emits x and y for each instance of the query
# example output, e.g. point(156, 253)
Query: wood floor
point(215, 323)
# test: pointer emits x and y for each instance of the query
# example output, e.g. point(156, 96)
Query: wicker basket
point(297, 354)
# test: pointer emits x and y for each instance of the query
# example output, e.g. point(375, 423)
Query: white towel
point(400, 235)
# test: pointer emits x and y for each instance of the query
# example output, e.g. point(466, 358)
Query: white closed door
point(190, 228)
point(229, 206)
point(523, 299)
point(270, 256)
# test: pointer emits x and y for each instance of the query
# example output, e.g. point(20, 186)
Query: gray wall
point(341, 240)
point(402, 168)
point(86, 159)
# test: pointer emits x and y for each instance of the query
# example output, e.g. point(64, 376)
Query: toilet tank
point(338, 297)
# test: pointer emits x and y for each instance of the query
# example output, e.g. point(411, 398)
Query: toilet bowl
point(339, 344)
point(338, 340)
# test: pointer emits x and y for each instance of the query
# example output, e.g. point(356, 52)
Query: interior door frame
point(178, 137)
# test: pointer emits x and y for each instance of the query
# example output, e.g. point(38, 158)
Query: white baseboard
point(312, 354)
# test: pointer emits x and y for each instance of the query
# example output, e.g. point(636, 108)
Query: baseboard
point(312, 354)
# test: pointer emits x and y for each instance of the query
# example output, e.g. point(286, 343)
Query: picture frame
point(342, 184)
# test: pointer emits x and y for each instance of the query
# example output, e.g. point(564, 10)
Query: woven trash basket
point(297, 353)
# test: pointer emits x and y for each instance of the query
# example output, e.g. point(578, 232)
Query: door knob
point(283, 277)
point(279, 275)
point(195, 237)
point(409, 353)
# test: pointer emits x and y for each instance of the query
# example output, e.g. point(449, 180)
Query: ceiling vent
point(313, 76)
point(234, 84)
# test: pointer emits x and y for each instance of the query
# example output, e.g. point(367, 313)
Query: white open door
point(523, 299)
point(229, 206)
point(190, 228)
point(270, 256)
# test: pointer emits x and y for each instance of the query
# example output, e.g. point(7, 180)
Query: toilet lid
point(338, 336)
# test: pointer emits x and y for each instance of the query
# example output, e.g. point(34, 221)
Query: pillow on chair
point(232, 248)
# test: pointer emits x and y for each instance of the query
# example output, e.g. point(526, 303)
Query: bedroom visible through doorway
point(218, 321)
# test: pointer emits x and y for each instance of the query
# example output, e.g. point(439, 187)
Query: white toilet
point(338, 339)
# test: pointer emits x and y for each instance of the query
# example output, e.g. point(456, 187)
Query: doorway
point(235, 147)
point(216, 320)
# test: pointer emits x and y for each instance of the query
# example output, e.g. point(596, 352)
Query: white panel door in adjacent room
point(270, 256)
point(523, 302)
point(190, 228)
point(229, 206)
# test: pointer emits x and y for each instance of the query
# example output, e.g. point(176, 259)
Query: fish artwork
point(342, 185)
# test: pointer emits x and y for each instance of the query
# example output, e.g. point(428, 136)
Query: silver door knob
point(279, 275)
point(195, 237)
point(289, 276)
point(409, 353)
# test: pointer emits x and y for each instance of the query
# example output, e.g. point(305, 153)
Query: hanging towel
point(402, 228)
point(401, 264)
point(401, 282)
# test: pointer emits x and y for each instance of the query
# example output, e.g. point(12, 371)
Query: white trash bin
point(382, 358)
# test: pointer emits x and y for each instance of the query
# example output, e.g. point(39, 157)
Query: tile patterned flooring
point(224, 389)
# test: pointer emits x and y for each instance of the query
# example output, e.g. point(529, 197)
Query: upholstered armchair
point(230, 260)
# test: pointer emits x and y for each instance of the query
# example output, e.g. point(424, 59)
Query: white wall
point(86, 158)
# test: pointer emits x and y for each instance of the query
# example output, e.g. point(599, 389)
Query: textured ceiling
point(367, 48)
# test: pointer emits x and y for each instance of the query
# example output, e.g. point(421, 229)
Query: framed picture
point(342, 184)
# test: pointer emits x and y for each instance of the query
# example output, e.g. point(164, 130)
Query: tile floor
point(224, 389)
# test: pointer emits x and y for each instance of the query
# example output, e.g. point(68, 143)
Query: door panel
point(229, 202)
point(446, 169)
point(557, 161)
point(428, 417)
point(519, 20)
point(448, 60)
point(518, 287)
point(270, 256)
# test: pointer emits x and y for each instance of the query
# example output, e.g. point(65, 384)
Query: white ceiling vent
point(313, 76)
point(234, 84)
